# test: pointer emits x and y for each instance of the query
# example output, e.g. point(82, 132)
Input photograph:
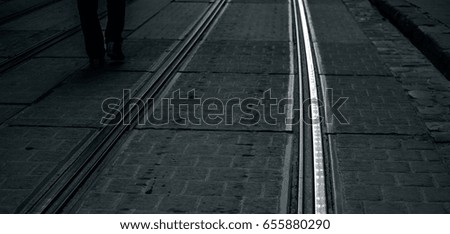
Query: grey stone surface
point(18, 40)
point(253, 22)
point(171, 22)
point(425, 23)
point(59, 16)
point(165, 171)
point(29, 156)
point(7, 111)
point(79, 101)
point(242, 57)
point(225, 89)
point(390, 166)
point(142, 11)
point(10, 8)
point(379, 179)
point(31, 80)
point(374, 105)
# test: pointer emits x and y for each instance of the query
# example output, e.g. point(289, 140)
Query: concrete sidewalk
point(426, 23)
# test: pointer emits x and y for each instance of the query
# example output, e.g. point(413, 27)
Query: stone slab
point(29, 155)
point(160, 171)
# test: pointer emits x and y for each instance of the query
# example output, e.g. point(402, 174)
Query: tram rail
point(55, 197)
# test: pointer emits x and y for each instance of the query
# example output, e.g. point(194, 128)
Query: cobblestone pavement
point(166, 171)
point(210, 168)
point(392, 157)
point(51, 104)
point(29, 157)
point(425, 23)
point(389, 159)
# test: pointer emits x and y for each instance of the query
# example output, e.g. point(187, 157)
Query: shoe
point(114, 51)
point(95, 63)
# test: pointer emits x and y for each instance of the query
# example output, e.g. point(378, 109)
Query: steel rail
point(67, 185)
point(17, 14)
point(302, 27)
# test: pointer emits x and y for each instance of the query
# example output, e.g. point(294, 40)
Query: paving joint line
point(53, 126)
point(378, 134)
point(213, 130)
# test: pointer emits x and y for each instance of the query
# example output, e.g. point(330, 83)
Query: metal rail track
point(40, 46)
point(65, 187)
point(10, 17)
point(43, 44)
point(313, 131)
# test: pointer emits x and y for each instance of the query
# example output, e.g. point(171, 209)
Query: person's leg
point(92, 31)
point(116, 20)
point(114, 28)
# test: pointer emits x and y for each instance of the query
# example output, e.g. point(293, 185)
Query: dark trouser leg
point(116, 20)
point(92, 31)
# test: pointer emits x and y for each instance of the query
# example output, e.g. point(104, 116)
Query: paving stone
point(7, 111)
point(229, 174)
point(105, 201)
point(18, 41)
point(13, 7)
point(405, 156)
point(391, 114)
point(214, 161)
point(29, 156)
point(353, 207)
point(242, 57)
point(348, 177)
point(128, 186)
point(402, 194)
point(57, 16)
point(190, 173)
point(271, 189)
point(216, 185)
point(11, 199)
point(414, 77)
point(350, 59)
point(227, 205)
point(252, 22)
point(230, 92)
point(21, 182)
point(33, 79)
point(427, 167)
point(165, 187)
point(72, 46)
point(363, 192)
point(384, 208)
point(376, 178)
point(373, 155)
point(142, 10)
point(140, 202)
point(420, 180)
point(332, 23)
point(171, 22)
point(437, 194)
point(421, 208)
point(443, 180)
point(398, 167)
point(84, 95)
point(243, 189)
point(356, 165)
point(202, 188)
point(260, 1)
point(260, 206)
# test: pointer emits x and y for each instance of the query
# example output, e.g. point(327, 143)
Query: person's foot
point(95, 63)
point(114, 51)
